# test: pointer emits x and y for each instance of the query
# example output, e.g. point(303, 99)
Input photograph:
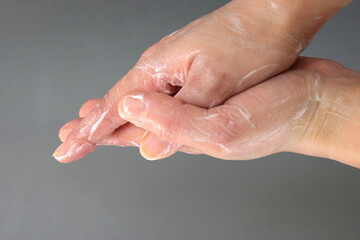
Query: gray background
point(54, 55)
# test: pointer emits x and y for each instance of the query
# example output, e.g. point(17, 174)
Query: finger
point(130, 135)
point(169, 118)
point(124, 136)
point(203, 89)
point(104, 118)
point(84, 110)
point(88, 106)
point(210, 83)
point(157, 70)
point(154, 147)
point(127, 135)
point(189, 150)
point(67, 128)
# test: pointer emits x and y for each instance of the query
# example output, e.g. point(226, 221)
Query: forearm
point(297, 19)
point(306, 17)
point(303, 9)
point(313, 8)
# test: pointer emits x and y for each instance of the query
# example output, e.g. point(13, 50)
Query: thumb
point(174, 121)
point(153, 147)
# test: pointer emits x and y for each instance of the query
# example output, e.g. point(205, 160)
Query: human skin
point(313, 109)
point(207, 62)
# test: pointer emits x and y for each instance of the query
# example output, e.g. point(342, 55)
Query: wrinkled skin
point(204, 64)
point(312, 109)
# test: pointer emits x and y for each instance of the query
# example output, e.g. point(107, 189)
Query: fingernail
point(133, 108)
point(61, 137)
point(68, 153)
point(65, 130)
point(155, 148)
point(58, 152)
point(63, 133)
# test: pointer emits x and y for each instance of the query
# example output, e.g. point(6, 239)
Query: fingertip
point(153, 147)
point(145, 155)
point(121, 106)
point(58, 159)
point(64, 132)
point(68, 152)
point(57, 154)
point(66, 129)
point(61, 137)
point(81, 113)
point(88, 106)
point(133, 107)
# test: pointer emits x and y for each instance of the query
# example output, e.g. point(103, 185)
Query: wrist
point(333, 127)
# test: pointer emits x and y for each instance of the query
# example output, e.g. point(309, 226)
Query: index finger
point(104, 118)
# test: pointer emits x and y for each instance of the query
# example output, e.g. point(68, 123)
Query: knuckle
point(167, 127)
point(229, 129)
point(88, 102)
point(107, 97)
point(327, 64)
point(212, 81)
point(210, 67)
point(323, 66)
point(152, 51)
point(224, 134)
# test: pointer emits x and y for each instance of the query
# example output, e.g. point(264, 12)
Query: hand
point(205, 63)
point(314, 108)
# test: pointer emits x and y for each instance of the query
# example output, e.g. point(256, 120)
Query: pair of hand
point(216, 69)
